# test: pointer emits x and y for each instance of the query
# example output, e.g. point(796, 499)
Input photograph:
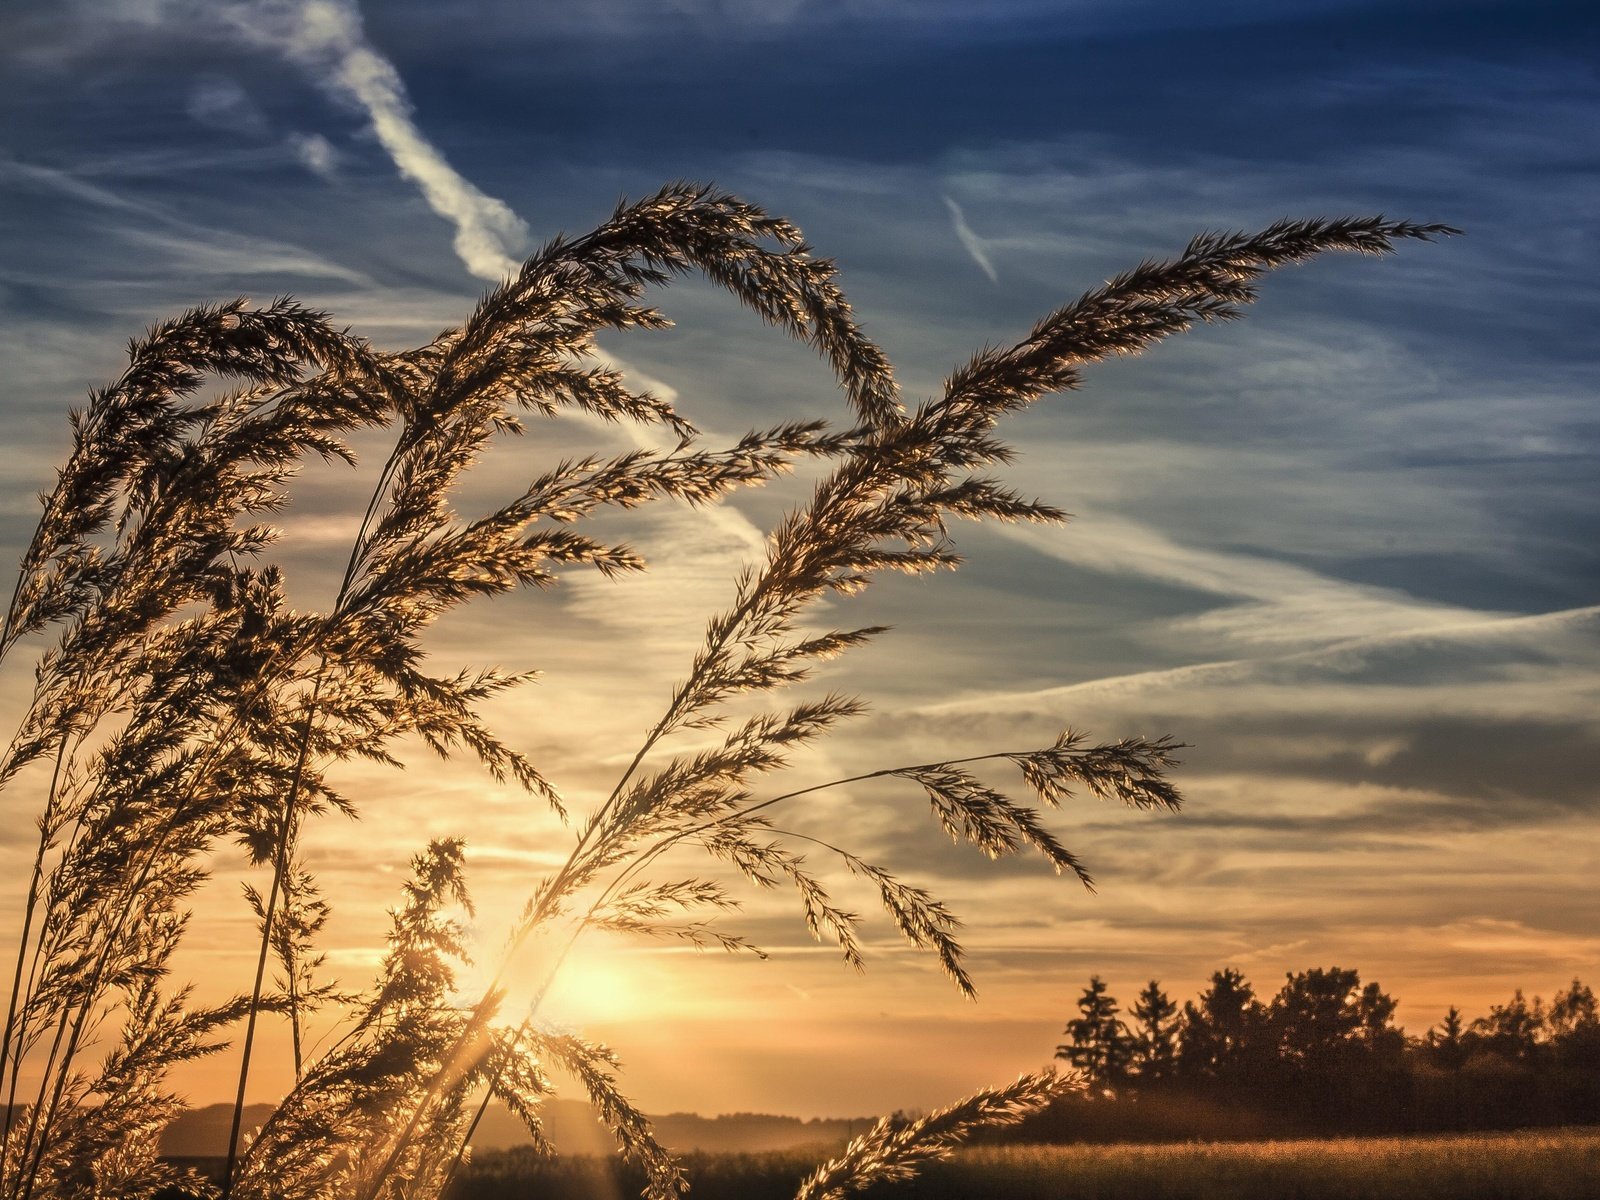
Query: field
point(1537, 1165)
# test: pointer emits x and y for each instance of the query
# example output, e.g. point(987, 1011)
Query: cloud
point(664, 609)
point(1284, 603)
point(186, 249)
point(1478, 668)
point(316, 153)
point(327, 39)
point(220, 103)
point(970, 241)
point(230, 260)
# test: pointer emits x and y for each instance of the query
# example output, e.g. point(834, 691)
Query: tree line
point(1321, 1055)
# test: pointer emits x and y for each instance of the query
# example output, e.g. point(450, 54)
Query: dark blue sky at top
point(1156, 79)
point(880, 91)
point(1256, 80)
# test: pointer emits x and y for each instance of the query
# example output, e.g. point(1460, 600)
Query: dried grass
point(183, 704)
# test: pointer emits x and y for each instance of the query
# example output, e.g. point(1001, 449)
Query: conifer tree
point(1099, 1043)
point(1156, 1034)
point(1447, 1044)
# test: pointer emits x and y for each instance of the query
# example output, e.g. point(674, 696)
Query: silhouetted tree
point(1447, 1044)
point(1376, 1011)
point(1323, 1056)
point(1155, 1036)
point(1574, 1024)
point(1512, 1030)
point(1572, 1011)
point(1099, 1044)
point(1315, 1018)
point(1336, 1049)
point(1221, 1037)
point(1436, 1075)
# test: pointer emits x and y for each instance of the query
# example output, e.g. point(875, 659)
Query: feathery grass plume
point(408, 563)
point(132, 428)
point(168, 484)
point(185, 705)
point(885, 508)
point(891, 1152)
point(313, 1144)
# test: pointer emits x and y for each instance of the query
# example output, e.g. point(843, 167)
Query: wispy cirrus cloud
point(1480, 668)
point(316, 153)
point(328, 40)
point(1270, 603)
point(186, 247)
point(970, 241)
point(221, 103)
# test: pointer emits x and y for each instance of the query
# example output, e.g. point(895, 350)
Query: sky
point(1347, 550)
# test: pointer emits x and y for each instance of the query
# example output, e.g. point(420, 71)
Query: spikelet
point(890, 1153)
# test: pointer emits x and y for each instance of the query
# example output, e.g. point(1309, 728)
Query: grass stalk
point(11, 1059)
point(285, 842)
point(231, 714)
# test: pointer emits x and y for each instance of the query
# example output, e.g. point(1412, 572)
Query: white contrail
point(327, 39)
point(971, 241)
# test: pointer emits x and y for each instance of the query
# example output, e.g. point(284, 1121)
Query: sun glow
point(599, 982)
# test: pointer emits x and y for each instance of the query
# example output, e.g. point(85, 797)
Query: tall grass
point(1553, 1165)
point(181, 704)
point(1550, 1165)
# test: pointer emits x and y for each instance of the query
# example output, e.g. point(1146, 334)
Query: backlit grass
point(1562, 1164)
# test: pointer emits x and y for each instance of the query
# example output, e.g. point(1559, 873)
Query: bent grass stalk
point(860, 506)
point(169, 715)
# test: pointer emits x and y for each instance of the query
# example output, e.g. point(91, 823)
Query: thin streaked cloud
point(971, 242)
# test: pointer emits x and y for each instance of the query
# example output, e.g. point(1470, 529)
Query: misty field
point(1561, 1164)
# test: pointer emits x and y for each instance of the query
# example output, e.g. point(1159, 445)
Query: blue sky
point(1348, 549)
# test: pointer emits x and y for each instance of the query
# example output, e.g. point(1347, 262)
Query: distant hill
point(203, 1132)
point(749, 1133)
point(571, 1126)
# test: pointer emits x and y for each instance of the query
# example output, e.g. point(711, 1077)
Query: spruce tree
point(1100, 1045)
point(1156, 1046)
